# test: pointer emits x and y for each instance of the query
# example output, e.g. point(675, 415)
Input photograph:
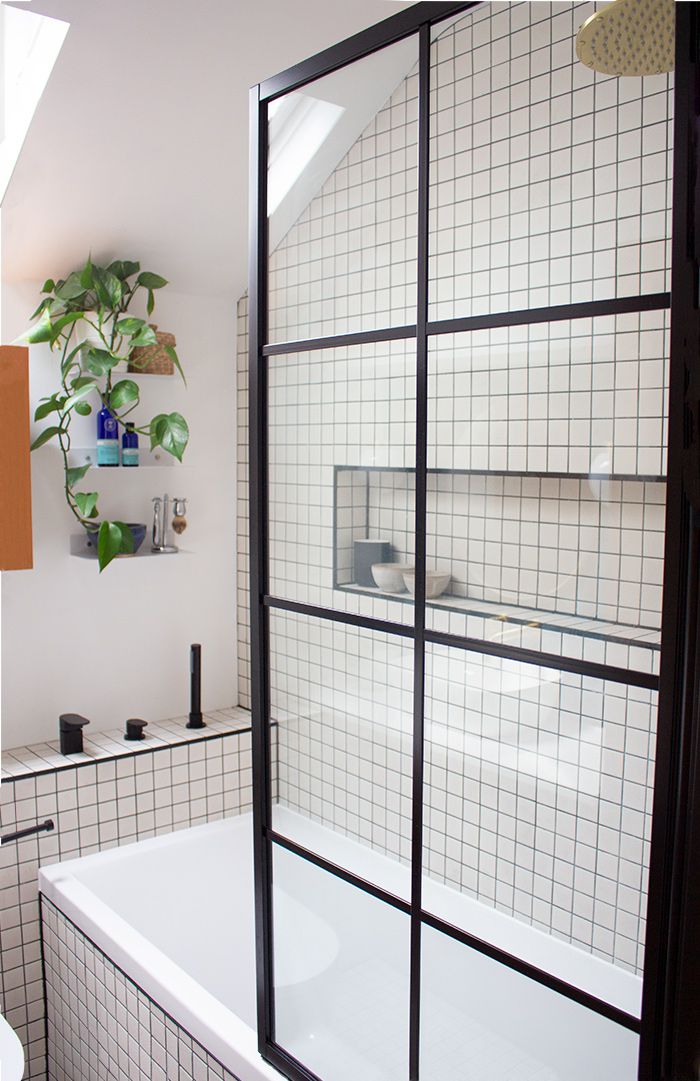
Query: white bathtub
point(175, 914)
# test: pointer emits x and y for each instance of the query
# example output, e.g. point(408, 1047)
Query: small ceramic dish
point(436, 582)
point(389, 576)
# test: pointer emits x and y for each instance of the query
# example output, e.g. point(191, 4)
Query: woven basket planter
point(152, 359)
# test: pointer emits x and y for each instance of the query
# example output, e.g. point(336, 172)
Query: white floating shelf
point(148, 459)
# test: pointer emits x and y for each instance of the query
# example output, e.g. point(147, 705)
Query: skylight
point(299, 125)
point(29, 46)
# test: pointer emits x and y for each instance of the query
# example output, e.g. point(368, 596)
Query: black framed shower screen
point(669, 1040)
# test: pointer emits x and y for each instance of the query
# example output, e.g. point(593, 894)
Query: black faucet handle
point(135, 728)
point(70, 729)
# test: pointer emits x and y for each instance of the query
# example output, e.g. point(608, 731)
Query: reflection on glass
point(342, 177)
point(341, 703)
point(341, 975)
point(483, 1022)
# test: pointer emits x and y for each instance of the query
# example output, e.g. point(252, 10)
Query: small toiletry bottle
point(107, 438)
point(130, 446)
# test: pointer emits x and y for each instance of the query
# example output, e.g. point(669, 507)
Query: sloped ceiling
point(139, 147)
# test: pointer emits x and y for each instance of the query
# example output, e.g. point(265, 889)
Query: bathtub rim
point(58, 882)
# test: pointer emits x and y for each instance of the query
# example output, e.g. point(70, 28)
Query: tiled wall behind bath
point(109, 796)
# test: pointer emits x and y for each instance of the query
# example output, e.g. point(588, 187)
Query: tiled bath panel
point(102, 1026)
point(115, 793)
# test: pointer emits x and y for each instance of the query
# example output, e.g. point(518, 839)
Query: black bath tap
point(135, 728)
point(71, 732)
point(196, 720)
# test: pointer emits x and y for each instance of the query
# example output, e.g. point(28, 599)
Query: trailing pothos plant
point(85, 319)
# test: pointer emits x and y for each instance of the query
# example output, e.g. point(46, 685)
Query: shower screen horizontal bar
point(337, 341)
point(402, 25)
point(479, 945)
point(338, 871)
point(577, 666)
point(585, 309)
point(554, 983)
point(555, 313)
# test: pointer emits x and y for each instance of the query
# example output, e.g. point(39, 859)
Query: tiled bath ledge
point(21, 762)
point(115, 793)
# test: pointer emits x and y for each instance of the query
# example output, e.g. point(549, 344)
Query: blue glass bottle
point(130, 446)
point(107, 438)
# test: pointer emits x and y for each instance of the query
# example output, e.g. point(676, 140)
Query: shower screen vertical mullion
point(259, 566)
point(420, 545)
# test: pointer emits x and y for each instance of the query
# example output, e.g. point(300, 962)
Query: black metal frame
point(657, 1024)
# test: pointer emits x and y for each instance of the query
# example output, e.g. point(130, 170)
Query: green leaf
point(150, 303)
point(86, 276)
point(80, 393)
point(68, 362)
point(130, 325)
point(113, 539)
point(42, 332)
point(63, 322)
point(109, 542)
point(83, 408)
point(87, 503)
point(70, 288)
point(100, 361)
point(108, 287)
point(170, 431)
point(169, 349)
point(48, 286)
point(146, 336)
point(123, 268)
point(45, 303)
point(82, 381)
point(48, 433)
point(49, 405)
point(76, 473)
point(125, 392)
point(151, 281)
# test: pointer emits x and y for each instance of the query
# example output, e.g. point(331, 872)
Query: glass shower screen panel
point(550, 184)
point(341, 438)
point(342, 716)
point(341, 975)
point(538, 803)
point(547, 485)
point(341, 198)
point(482, 1022)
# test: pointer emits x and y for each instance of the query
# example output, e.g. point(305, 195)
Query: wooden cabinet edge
point(15, 470)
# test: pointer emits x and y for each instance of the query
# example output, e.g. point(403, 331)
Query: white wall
point(115, 645)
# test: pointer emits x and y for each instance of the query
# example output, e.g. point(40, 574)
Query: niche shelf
point(523, 548)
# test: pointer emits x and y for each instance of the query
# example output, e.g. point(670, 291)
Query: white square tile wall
point(102, 1026)
point(112, 794)
point(538, 798)
point(550, 183)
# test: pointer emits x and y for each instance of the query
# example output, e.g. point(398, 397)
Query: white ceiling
point(139, 147)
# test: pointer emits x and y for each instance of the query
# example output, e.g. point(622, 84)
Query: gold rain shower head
point(629, 37)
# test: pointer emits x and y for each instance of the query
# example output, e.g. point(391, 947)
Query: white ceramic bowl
point(390, 576)
point(436, 582)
